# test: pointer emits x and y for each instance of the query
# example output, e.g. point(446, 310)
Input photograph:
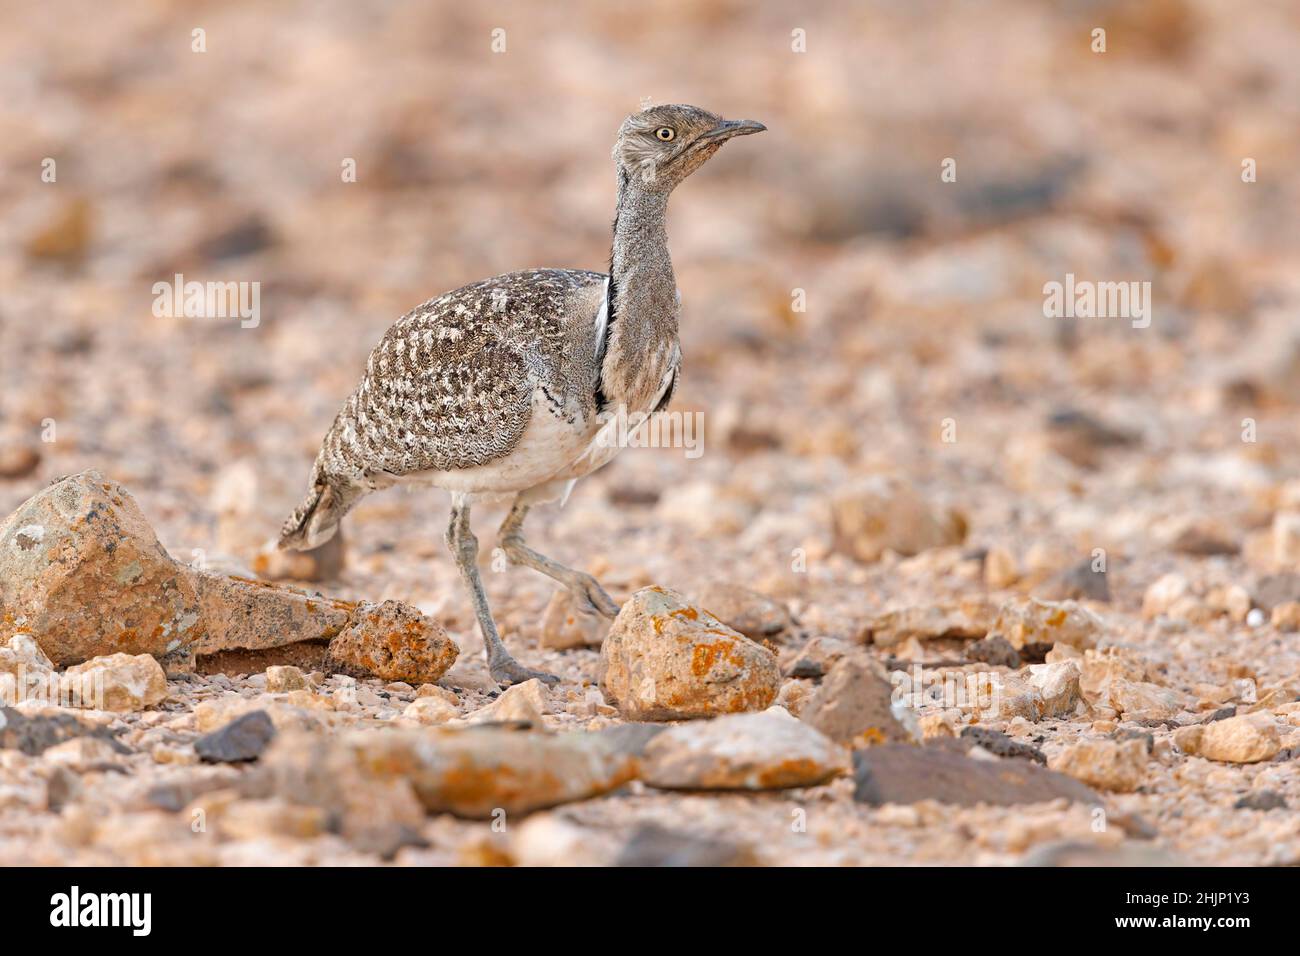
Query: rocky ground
point(1077, 540)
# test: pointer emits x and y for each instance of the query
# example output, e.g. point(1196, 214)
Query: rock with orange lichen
point(766, 751)
point(666, 659)
point(395, 641)
point(82, 572)
point(472, 773)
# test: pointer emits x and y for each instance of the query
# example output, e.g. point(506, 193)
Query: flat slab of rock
point(471, 773)
point(84, 574)
point(853, 705)
point(765, 751)
point(365, 802)
point(900, 773)
point(246, 614)
point(667, 659)
point(394, 641)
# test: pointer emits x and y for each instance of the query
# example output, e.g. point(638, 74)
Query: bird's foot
point(506, 670)
point(592, 597)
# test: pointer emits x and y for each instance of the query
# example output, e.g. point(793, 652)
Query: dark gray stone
point(35, 735)
point(243, 739)
point(901, 773)
point(1261, 800)
point(996, 651)
point(996, 742)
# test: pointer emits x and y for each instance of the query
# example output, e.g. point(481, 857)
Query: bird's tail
point(317, 519)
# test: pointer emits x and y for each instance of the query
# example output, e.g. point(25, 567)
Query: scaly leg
point(583, 586)
point(464, 547)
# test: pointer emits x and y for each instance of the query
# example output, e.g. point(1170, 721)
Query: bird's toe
point(595, 599)
point(510, 671)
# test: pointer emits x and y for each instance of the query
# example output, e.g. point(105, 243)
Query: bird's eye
point(666, 133)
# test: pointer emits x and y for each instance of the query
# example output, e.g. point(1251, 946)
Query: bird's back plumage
point(453, 385)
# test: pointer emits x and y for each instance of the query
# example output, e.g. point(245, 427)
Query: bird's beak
point(729, 128)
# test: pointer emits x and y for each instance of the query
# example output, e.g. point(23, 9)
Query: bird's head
point(660, 146)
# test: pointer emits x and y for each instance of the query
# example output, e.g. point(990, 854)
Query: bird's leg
point(464, 547)
point(581, 585)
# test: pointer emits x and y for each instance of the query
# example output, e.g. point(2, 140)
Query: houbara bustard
point(501, 388)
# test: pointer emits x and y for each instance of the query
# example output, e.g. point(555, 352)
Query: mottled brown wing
point(451, 384)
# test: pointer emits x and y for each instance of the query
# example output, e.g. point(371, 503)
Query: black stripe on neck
point(602, 400)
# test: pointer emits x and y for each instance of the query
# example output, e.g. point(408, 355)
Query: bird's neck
point(641, 335)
